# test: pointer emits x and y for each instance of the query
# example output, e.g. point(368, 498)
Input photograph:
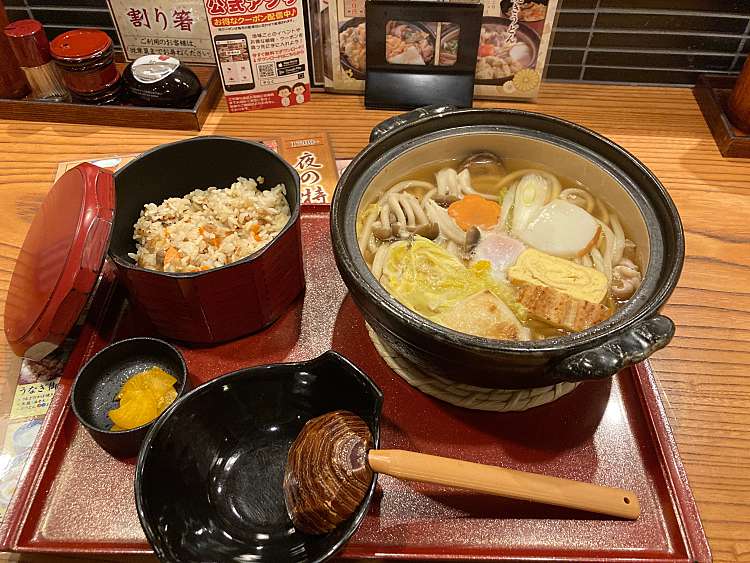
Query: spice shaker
point(161, 81)
point(30, 45)
point(13, 82)
point(86, 60)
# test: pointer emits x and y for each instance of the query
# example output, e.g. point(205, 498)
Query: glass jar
point(85, 58)
point(31, 48)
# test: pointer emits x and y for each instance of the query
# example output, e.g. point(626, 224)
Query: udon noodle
point(499, 253)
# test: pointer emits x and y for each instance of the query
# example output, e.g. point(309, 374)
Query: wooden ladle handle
point(509, 483)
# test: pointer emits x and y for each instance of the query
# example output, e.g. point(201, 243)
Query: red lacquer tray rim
point(91, 338)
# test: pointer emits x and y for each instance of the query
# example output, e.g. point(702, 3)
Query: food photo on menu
point(323, 280)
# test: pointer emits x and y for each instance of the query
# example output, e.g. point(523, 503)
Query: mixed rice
point(209, 228)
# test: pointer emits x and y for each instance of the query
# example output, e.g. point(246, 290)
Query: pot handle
point(634, 345)
point(398, 121)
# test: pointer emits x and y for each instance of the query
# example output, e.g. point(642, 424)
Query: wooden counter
point(703, 373)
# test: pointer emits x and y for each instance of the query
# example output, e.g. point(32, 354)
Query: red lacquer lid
point(60, 261)
point(80, 45)
point(29, 43)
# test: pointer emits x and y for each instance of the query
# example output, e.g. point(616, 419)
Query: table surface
point(702, 373)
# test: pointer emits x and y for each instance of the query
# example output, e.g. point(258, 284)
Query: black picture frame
point(408, 86)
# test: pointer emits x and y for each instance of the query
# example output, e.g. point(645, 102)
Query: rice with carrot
point(209, 228)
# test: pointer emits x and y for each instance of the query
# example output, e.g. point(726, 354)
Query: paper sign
point(312, 158)
point(513, 47)
point(19, 438)
point(511, 57)
point(33, 399)
point(261, 52)
point(162, 27)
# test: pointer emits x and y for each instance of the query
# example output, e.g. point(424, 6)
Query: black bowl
point(435, 134)
point(208, 484)
point(95, 387)
point(203, 307)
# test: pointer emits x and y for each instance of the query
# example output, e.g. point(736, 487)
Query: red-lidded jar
point(86, 60)
point(30, 45)
point(12, 80)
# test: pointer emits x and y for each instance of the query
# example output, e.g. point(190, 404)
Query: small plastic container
point(31, 48)
point(85, 58)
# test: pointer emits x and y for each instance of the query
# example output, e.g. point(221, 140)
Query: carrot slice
point(486, 50)
point(171, 254)
point(474, 211)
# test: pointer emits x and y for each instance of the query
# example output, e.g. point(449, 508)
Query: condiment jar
point(161, 81)
point(31, 47)
point(86, 59)
point(12, 80)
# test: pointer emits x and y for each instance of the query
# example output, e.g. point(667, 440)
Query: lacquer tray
point(123, 115)
point(74, 498)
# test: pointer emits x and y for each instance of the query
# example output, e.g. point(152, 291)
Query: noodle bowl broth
point(542, 269)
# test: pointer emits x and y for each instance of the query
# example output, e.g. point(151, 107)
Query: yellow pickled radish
point(140, 408)
point(154, 378)
point(166, 399)
point(142, 398)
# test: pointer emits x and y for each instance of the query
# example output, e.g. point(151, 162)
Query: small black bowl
point(99, 381)
point(208, 484)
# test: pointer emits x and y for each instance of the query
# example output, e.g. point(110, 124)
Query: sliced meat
point(499, 250)
point(559, 309)
point(484, 314)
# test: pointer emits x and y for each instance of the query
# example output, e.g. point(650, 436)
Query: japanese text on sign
point(33, 399)
point(309, 175)
point(261, 52)
point(254, 18)
point(163, 27)
point(225, 7)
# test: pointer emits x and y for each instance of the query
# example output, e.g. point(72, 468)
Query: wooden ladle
point(331, 463)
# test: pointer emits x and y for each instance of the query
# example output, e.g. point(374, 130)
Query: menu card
point(511, 58)
point(261, 51)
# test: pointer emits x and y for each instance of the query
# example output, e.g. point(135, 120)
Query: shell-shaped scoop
point(327, 476)
point(331, 465)
point(483, 163)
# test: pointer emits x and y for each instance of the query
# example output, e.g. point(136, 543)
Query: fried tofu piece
point(484, 314)
point(559, 309)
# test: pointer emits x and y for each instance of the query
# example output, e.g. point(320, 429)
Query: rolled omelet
point(580, 282)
